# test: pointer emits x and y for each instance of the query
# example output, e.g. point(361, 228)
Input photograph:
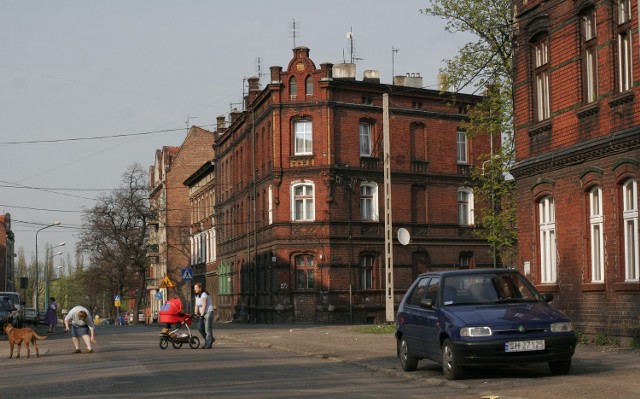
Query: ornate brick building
point(578, 151)
point(299, 208)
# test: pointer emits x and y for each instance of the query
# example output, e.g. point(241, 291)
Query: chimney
point(344, 71)
point(409, 80)
point(443, 81)
point(327, 69)
point(254, 90)
point(221, 125)
point(371, 76)
point(275, 74)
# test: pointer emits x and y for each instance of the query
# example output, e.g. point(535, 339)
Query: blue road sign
point(187, 273)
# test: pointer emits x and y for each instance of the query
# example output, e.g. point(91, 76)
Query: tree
point(486, 65)
point(114, 236)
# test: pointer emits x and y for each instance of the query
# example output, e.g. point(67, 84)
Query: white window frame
point(625, 61)
point(270, 204)
point(589, 32)
point(305, 269)
point(365, 139)
point(543, 87)
point(596, 221)
point(366, 272)
point(303, 137)
point(624, 11)
point(369, 201)
point(465, 207)
point(303, 202)
point(547, 226)
point(462, 148)
point(630, 223)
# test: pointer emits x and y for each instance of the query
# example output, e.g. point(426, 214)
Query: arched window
point(305, 272)
point(302, 201)
point(630, 220)
point(308, 85)
point(293, 87)
point(369, 202)
point(596, 235)
point(547, 227)
point(465, 207)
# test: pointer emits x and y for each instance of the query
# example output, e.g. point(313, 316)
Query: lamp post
point(56, 223)
point(46, 275)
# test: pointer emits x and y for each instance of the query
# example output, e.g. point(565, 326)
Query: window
point(365, 139)
point(270, 204)
point(547, 220)
point(465, 260)
point(369, 201)
point(597, 242)
point(541, 73)
point(308, 86)
point(366, 272)
point(624, 59)
point(630, 220)
point(465, 207)
point(305, 272)
point(303, 202)
point(462, 148)
point(590, 61)
point(303, 137)
point(293, 87)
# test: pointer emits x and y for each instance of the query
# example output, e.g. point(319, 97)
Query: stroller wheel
point(164, 343)
point(177, 345)
point(194, 342)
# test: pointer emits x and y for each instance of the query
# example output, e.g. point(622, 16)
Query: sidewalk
point(377, 352)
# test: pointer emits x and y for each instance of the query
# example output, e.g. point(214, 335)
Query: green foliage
point(486, 65)
point(377, 329)
point(583, 337)
point(603, 339)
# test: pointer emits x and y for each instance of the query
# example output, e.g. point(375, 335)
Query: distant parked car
point(30, 316)
point(481, 317)
point(7, 310)
point(122, 319)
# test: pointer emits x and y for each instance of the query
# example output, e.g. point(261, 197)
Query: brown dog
point(20, 335)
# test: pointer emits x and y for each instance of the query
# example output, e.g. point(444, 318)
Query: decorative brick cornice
point(616, 143)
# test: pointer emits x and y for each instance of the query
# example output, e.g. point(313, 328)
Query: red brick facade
point(290, 180)
point(586, 151)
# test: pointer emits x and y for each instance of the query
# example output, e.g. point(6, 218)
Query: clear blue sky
point(75, 69)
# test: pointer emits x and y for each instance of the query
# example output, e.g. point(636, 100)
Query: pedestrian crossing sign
point(166, 282)
point(187, 274)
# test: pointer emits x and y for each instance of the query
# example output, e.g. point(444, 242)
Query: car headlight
point(562, 327)
point(476, 332)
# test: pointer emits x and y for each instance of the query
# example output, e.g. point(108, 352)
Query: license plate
point(524, 346)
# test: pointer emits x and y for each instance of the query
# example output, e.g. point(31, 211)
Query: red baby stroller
point(171, 313)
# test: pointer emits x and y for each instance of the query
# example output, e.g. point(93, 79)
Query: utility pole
point(388, 234)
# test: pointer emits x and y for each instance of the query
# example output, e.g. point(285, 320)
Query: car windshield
point(487, 288)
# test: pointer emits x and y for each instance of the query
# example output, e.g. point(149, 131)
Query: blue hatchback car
point(481, 317)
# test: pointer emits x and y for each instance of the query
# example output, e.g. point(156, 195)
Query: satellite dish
point(403, 236)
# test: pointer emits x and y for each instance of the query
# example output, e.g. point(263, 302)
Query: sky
point(88, 87)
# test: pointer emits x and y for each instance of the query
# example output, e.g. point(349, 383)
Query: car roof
point(467, 272)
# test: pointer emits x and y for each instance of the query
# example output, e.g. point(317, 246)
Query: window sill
point(588, 110)
point(541, 127)
point(593, 287)
point(624, 286)
point(622, 98)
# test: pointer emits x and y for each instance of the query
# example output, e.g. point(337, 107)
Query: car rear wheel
point(407, 361)
point(561, 367)
point(450, 367)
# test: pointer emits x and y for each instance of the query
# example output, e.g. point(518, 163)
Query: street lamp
point(56, 223)
point(46, 275)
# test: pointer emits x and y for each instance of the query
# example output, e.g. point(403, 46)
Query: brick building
point(578, 150)
point(299, 195)
point(170, 234)
point(7, 251)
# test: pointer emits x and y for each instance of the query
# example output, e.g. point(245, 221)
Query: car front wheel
point(407, 361)
point(561, 367)
point(450, 367)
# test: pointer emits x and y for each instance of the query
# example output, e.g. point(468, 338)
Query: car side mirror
point(426, 303)
point(548, 297)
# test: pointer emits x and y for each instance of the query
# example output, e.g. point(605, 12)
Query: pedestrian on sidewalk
point(51, 317)
point(204, 308)
point(81, 326)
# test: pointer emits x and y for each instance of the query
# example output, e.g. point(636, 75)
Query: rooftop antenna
point(188, 121)
point(294, 31)
point(351, 46)
point(259, 67)
point(393, 56)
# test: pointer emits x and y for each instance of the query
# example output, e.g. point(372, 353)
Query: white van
point(14, 298)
